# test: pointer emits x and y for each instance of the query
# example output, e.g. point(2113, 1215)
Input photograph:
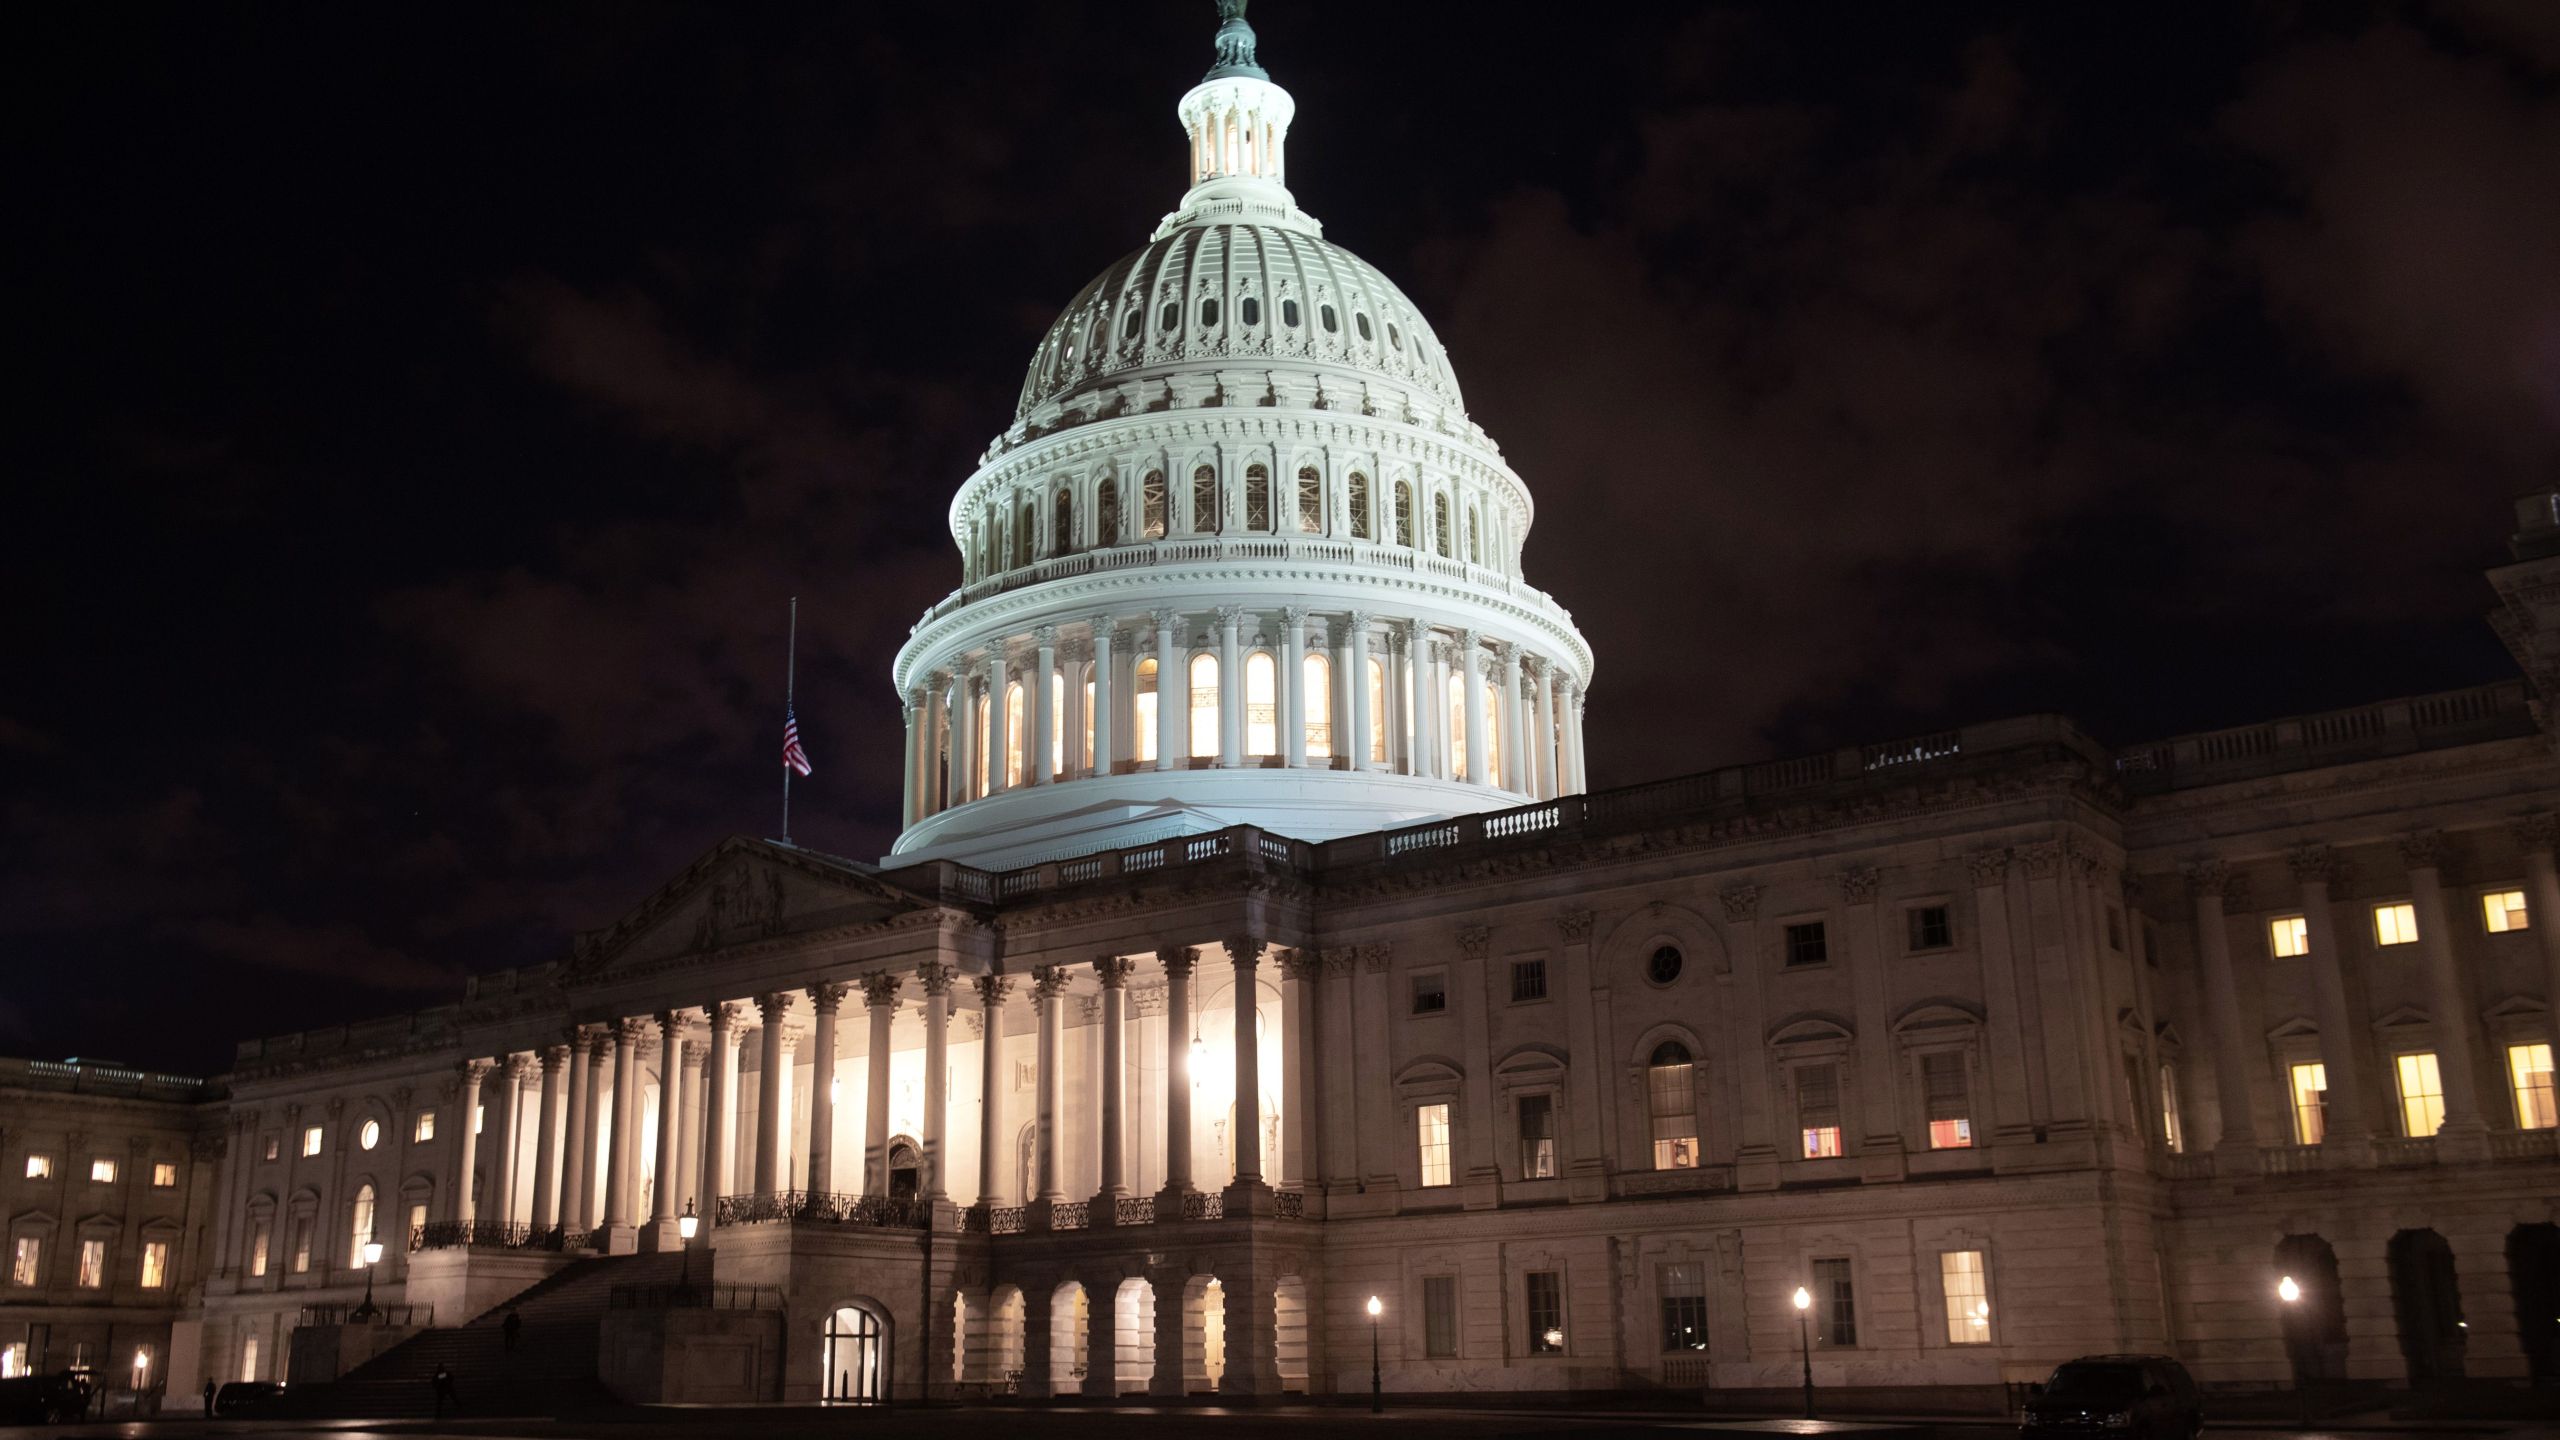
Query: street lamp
point(686, 1225)
point(372, 1257)
point(1804, 1333)
point(1376, 1403)
point(2291, 1294)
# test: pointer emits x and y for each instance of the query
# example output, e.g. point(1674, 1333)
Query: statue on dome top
point(1235, 44)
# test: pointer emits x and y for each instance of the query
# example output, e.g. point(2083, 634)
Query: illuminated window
point(2503, 910)
point(2530, 1068)
point(1361, 529)
point(1151, 505)
point(1142, 743)
point(1818, 1109)
point(39, 1167)
point(425, 1129)
point(1682, 1289)
point(1310, 500)
point(2309, 1085)
point(417, 1225)
point(1537, 1137)
point(1432, 1123)
point(310, 1140)
point(1084, 747)
point(258, 1247)
point(164, 1176)
point(1671, 1106)
point(1544, 1296)
point(1377, 711)
point(2421, 1095)
point(361, 1230)
point(155, 1264)
point(369, 1135)
point(1835, 1303)
point(1968, 1296)
point(249, 1358)
point(274, 1146)
point(1204, 499)
point(1257, 499)
point(2289, 936)
point(978, 751)
point(1440, 1317)
point(1404, 514)
point(1315, 685)
point(2172, 1133)
point(1946, 1100)
point(1204, 706)
point(102, 1171)
point(1261, 704)
point(26, 1261)
point(93, 1264)
point(1015, 744)
point(1106, 514)
point(1492, 733)
point(13, 1360)
point(301, 1244)
point(2395, 923)
point(1457, 736)
point(1057, 722)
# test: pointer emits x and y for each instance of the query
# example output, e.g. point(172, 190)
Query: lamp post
point(1804, 1334)
point(2291, 1294)
point(372, 1257)
point(686, 1226)
point(1376, 1403)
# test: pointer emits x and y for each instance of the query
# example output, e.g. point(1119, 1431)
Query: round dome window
point(1664, 967)
point(370, 1135)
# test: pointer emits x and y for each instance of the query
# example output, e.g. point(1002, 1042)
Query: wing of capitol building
point(1253, 948)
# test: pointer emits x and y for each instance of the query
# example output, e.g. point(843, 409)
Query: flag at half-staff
point(792, 755)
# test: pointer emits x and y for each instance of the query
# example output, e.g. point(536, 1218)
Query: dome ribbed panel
point(1088, 344)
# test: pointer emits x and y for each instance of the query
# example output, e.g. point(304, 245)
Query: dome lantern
point(1238, 124)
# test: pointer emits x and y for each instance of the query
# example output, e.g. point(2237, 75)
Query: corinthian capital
point(880, 990)
point(2422, 849)
point(1246, 950)
point(1113, 970)
point(936, 977)
point(1048, 982)
point(1177, 959)
point(992, 990)
point(2314, 864)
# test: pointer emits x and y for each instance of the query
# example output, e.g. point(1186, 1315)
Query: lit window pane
point(426, 1128)
point(2395, 924)
point(155, 1264)
point(1671, 1098)
point(2289, 935)
point(164, 1176)
point(1143, 740)
point(1204, 707)
point(2502, 911)
point(39, 1167)
point(1818, 1110)
point(2530, 1066)
point(93, 1264)
point(1946, 1100)
point(1316, 685)
point(26, 1261)
point(1261, 705)
point(311, 1141)
point(2421, 1095)
point(2310, 1085)
point(1968, 1296)
point(1434, 1137)
point(103, 1170)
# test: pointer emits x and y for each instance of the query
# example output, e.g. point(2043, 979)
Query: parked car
point(2141, 1397)
point(44, 1399)
point(240, 1398)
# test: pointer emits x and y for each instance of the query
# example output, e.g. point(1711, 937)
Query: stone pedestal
point(658, 1237)
point(617, 1240)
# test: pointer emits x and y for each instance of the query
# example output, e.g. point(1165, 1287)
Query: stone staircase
point(551, 1370)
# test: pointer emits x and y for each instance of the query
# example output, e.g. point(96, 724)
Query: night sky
point(427, 411)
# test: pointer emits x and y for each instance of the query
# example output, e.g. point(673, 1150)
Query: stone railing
point(2195, 1165)
point(90, 1078)
point(694, 1297)
point(2289, 1159)
point(2393, 727)
point(803, 1207)
point(2524, 1144)
point(2401, 1150)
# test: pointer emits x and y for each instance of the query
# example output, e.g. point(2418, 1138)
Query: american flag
point(792, 755)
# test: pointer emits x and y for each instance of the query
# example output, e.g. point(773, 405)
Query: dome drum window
point(1394, 336)
point(1360, 321)
point(1289, 313)
point(1325, 317)
point(1209, 313)
point(1129, 327)
point(1249, 310)
point(1172, 315)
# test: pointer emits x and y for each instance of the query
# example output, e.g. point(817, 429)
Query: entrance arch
point(1204, 1334)
point(2426, 1300)
point(1133, 1336)
point(906, 1169)
point(857, 1354)
point(1069, 1315)
point(2533, 1269)
point(2315, 1327)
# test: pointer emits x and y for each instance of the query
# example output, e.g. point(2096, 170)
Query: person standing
point(511, 1328)
point(444, 1390)
point(208, 1399)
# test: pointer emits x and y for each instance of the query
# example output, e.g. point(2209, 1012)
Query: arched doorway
point(1204, 1334)
point(1289, 1323)
point(1004, 1339)
point(906, 1169)
point(2426, 1300)
point(1069, 1316)
point(857, 1355)
point(2315, 1326)
point(2533, 1269)
point(1133, 1336)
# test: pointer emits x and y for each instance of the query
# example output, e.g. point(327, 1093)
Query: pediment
point(2515, 1007)
point(739, 892)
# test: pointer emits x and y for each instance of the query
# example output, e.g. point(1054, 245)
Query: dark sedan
point(2138, 1397)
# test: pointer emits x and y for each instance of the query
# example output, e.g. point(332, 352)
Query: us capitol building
point(1253, 947)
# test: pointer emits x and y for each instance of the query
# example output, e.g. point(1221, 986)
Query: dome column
point(1293, 671)
point(1358, 680)
point(1506, 712)
point(1549, 780)
point(915, 747)
point(1471, 705)
point(997, 739)
point(1044, 709)
point(1230, 686)
point(964, 744)
point(1105, 695)
point(1168, 688)
point(937, 722)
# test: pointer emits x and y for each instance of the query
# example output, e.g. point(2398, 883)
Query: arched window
point(1671, 1103)
point(1057, 723)
point(1492, 733)
point(1204, 707)
point(1151, 501)
point(1062, 527)
point(1129, 325)
point(857, 1356)
point(1261, 704)
point(1457, 766)
point(1377, 710)
point(1249, 310)
point(1404, 514)
point(362, 1230)
point(1257, 498)
point(1106, 514)
point(1475, 537)
point(1440, 523)
point(1289, 313)
point(1310, 500)
point(1014, 746)
point(1360, 506)
point(1324, 316)
point(1315, 686)
point(1024, 525)
point(1204, 499)
point(1142, 740)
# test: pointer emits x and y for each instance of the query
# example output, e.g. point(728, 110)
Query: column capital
point(514, 1068)
point(1302, 964)
point(2043, 861)
point(1292, 616)
point(881, 991)
point(1375, 959)
point(1358, 621)
point(1113, 970)
point(1165, 616)
point(2536, 834)
point(673, 1022)
point(992, 990)
point(1470, 644)
point(723, 1014)
point(1987, 868)
point(696, 1051)
point(1742, 902)
point(827, 996)
point(471, 1071)
point(1858, 884)
point(1475, 942)
point(2422, 849)
point(1507, 655)
point(600, 1040)
point(915, 698)
point(1048, 982)
point(1045, 636)
point(936, 977)
point(2315, 864)
point(1573, 922)
point(576, 1037)
point(775, 1008)
point(1073, 650)
point(937, 680)
point(1246, 950)
point(554, 1058)
point(1231, 617)
point(1177, 959)
point(1103, 627)
point(2215, 878)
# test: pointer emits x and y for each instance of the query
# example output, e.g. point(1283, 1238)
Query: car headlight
point(2115, 1418)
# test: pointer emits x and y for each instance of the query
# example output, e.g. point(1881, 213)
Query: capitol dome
point(1240, 559)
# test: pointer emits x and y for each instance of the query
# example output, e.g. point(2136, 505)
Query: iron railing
point(1070, 1215)
point(1292, 1205)
point(1208, 1205)
point(807, 1207)
point(1136, 1210)
point(487, 1234)
point(391, 1315)
point(695, 1297)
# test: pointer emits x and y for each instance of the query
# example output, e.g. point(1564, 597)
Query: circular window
point(370, 1135)
point(1664, 967)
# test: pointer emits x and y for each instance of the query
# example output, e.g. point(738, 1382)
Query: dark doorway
point(2315, 1326)
point(906, 1171)
point(2426, 1300)
point(2533, 1268)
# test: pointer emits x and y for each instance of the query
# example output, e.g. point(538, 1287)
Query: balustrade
point(804, 1207)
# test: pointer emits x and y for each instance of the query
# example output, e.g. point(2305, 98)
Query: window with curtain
point(1142, 742)
point(1671, 1105)
point(2529, 1068)
point(1261, 704)
point(1151, 504)
point(1015, 747)
point(1106, 514)
point(2421, 1095)
point(1361, 529)
point(1967, 1289)
point(1818, 1109)
point(155, 1264)
point(1537, 1115)
point(1310, 500)
point(1316, 684)
point(1204, 499)
point(362, 1229)
point(2309, 1088)
point(1204, 707)
point(1257, 499)
point(1946, 1101)
point(1431, 1136)
point(1404, 514)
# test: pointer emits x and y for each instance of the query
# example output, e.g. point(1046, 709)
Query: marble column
point(1230, 686)
point(1173, 690)
point(1363, 743)
point(1048, 1001)
point(1105, 695)
point(936, 977)
point(720, 1105)
point(577, 1136)
point(992, 990)
point(689, 1166)
point(1293, 686)
point(966, 746)
point(662, 1192)
point(2464, 1132)
point(2350, 1132)
point(1043, 769)
point(2212, 883)
point(998, 720)
point(818, 1176)
point(770, 1126)
point(1246, 952)
point(880, 1000)
point(1471, 707)
point(1113, 972)
point(508, 1110)
point(594, 1177)
point(617, 1166)
point(1544, 783)
point(546, 1141)
point(932, 795)
point(1506, 711)
point(914, 753)
point(1417, 681)
point(465, 1145)
point(1177, 961)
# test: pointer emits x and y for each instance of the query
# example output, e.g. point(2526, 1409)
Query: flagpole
point(790, 682)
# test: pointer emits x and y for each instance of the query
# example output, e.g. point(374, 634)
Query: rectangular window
point(425, 1129)
point(1432, 1123)
point(302, 1245)
point(1947, 1101)
point(310, 1140)
point(13, 1360)
point(1818, 1109)
point(93, 1264)
point(26, 1261)
point(258, 1248)
point(2310, 1089)
point(274, 1146)
point(1930, 929)
point(1835, 1303)
point(1806, 944)
point(2289, 936)
point(2421, 1095)
point(2530, 1065)
point(2395, 923)
point(2172, 1133)
point(1430, 994)
point(1968, 1293)
point(164, 1176)
point(155, 1264)
point(2502, 911)
point(39, 1167)
point(1683, 1290)
point(102, 1170)
point(1546, 1312)
point(1440, 1317)
point(418, 1218)
point(249, 1358)
point(1671, 1104)
point(1528, 980)
point(1537, 1137)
